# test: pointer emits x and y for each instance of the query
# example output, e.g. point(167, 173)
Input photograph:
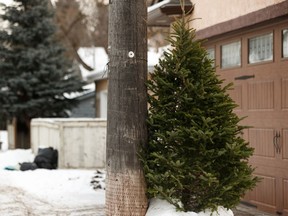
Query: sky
point(61, 191)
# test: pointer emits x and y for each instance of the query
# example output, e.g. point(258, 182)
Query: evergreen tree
point(196, 157)
point(34, 75)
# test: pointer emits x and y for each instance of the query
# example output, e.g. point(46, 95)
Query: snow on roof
point(89, 88)
point(54, 2)
point(95, 57)
point(157, 6)
point(7, 2)
point(155, 54)
point(153, 57)
point(68, 120)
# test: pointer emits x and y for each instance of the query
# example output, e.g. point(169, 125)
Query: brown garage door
point(261, 91)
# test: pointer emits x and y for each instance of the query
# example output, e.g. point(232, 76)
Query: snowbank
point(4, 140)
point(61, 188)
point(14, 157)
point(159, 207)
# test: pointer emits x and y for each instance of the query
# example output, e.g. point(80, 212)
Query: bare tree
point(73, 32)
point(96, 12)
point(84, 23)
point(127, 108)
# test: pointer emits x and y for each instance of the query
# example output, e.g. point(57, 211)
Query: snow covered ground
point(46, 192)
point(3, 140)
point(61, 192)
point(159, 207)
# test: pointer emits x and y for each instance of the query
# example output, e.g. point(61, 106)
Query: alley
point(16, 202)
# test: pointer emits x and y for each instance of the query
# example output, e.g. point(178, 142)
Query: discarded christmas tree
point(35, 78)
point(196, 158)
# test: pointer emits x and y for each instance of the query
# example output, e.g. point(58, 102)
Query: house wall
point(208, 13)
point(85, 108)
point(101, 98)
point(81, 143)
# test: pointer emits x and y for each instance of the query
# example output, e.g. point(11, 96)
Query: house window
point(231, 55)
point(261, 48)
point(285, 43)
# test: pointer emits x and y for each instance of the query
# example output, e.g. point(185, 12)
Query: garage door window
point(231, 55)
point(285, 43)
point(261, 48)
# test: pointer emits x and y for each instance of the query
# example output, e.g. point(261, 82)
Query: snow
point(4, 140)
point(7, 2)
point(163, 208)
point(64, 189)
point(86, 90)
point(54, 2)
point(95, 57)
point(153, 57)
point(59, 188)
point(157, 6)
point(12, 158)
point(155, 54)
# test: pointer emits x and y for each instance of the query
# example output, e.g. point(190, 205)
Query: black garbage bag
point(47, 158)
point(28, 166)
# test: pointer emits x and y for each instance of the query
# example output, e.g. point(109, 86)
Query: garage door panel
point(285, 196)
point(285, 193)
point(285, 144)
point(261, 95)
point(261, 139)
point(236, 95)
point(264, 192)
point(284, 90)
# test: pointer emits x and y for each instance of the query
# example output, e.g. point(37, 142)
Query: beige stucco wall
point(210, 12)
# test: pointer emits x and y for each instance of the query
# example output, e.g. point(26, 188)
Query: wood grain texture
point(127, 107)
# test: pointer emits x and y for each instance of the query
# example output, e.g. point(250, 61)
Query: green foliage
point(196, 157)
point(34, 75)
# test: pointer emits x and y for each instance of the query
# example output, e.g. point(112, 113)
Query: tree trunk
point(127, 108)
point(23, 131)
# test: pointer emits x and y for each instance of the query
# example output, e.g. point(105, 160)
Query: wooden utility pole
point(127, 108)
